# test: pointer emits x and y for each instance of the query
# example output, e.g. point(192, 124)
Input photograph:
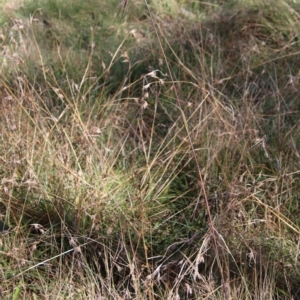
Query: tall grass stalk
point(150, 152)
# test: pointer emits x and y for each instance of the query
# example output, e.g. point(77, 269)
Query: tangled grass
point(150, 155)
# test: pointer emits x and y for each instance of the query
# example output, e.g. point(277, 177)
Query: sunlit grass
point(150, 155)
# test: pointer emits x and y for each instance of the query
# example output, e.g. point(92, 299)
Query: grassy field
point(150, 151)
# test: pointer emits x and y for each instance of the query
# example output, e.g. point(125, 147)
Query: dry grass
point(155, 159)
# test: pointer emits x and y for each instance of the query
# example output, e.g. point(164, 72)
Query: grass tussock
point(151, 152)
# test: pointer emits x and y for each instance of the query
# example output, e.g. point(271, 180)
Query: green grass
point(150, 155)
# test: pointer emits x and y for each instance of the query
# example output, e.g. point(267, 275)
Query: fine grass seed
point(149, 150)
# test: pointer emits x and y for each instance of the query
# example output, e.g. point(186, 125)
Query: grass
point(150, 155)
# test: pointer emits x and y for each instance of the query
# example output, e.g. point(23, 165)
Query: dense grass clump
point(151, 152)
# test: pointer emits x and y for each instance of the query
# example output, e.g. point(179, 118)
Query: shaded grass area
point(99, 181)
